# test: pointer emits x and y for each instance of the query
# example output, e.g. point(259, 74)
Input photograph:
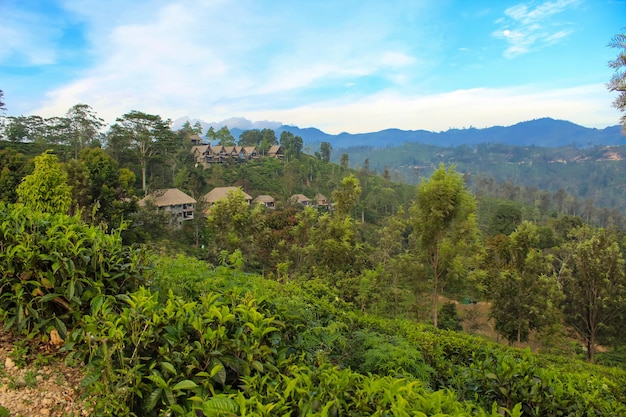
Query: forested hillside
point(348, 304)
point(588, 175)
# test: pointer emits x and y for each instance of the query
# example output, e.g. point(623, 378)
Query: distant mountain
point(545, 132)
point(235, 124)
point(541, 132)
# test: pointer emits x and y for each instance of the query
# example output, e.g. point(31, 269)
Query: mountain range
point(544, 132)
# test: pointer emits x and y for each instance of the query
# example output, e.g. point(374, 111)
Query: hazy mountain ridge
point(545, 132)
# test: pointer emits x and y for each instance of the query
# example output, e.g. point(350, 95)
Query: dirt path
point(43, 387)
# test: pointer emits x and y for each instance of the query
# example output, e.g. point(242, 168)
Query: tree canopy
point(443, 220)
point(618, 81)
point(46, 189)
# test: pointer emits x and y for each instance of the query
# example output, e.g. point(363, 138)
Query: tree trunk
point(591, 347)
point(436, 300)
point(143, 178)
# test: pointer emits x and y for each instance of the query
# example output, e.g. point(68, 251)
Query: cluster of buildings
point(182, 206)
point(208, 154)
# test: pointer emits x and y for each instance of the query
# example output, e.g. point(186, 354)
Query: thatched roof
point(263, 198)
point(200, 149)
point(250, 149)
point(167, 197)
point(300, 198)
point(320, 199)
point(220, 193)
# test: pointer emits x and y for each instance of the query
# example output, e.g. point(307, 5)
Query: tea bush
point(53, 265)
point(147, 357)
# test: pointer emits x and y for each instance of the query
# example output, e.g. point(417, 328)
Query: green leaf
point(60, 326)
point(48, 297)
point(257, 365)
point(185, 384)
point(169, 396)
point(167, 366)
point(96, 303)
point(153, 398)
point(223, 404)
point(91, 378)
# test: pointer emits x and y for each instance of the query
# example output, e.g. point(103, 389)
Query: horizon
point(244, 124)
point(352, 67)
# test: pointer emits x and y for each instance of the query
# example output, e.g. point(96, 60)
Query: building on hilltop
point(266, 200)
point(219, 154)
point(276, 151)
point(173, 201)
point(302, 199)
point(221, 193)
point(321, 201)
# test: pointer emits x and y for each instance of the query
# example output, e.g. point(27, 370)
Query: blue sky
point(354, 66)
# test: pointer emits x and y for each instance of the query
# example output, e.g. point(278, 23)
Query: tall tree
point(444, 222)
point(101, 188)
point(594, 284)
point(522, 288)
point(16, 130)
point(618, 81)
point(505, 220)
point(210, 134)
point(233, 224)
point(345, 161)
point(84, 127)
point(252, 137)
point(2, 104)
point(224, 137)
point(325, 149)
point(26, 128)
point(291, 144)
point(346, 195)
point(46, 189)
point(269, 139)
point(147, 135)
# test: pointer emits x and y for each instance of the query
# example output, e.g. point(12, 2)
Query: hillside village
point(182, 206)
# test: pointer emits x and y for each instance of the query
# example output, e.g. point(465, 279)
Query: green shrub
point(147, 357)
point(53, 265)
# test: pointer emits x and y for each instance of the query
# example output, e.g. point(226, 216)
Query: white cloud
point(179, 57)
point(524, 27)
point(215, 60)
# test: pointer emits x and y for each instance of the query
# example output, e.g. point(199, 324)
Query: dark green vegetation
point(293, 311)
point(586, 182)
point(165, 333)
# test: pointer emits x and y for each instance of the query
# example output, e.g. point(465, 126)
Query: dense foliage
point(53, 265)
point(323, 310)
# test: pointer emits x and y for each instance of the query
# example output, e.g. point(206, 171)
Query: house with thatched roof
point(173, 201)
point(201, 153)
point(266, 200)
point(302, 199)
point(195, 140)
point(249, 152)
point(220, 193)
point(276, 151)
point(321, 201)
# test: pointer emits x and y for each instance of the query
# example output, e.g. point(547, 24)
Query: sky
point(340, 66)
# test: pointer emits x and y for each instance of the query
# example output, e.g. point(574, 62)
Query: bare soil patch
point(44, 386)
